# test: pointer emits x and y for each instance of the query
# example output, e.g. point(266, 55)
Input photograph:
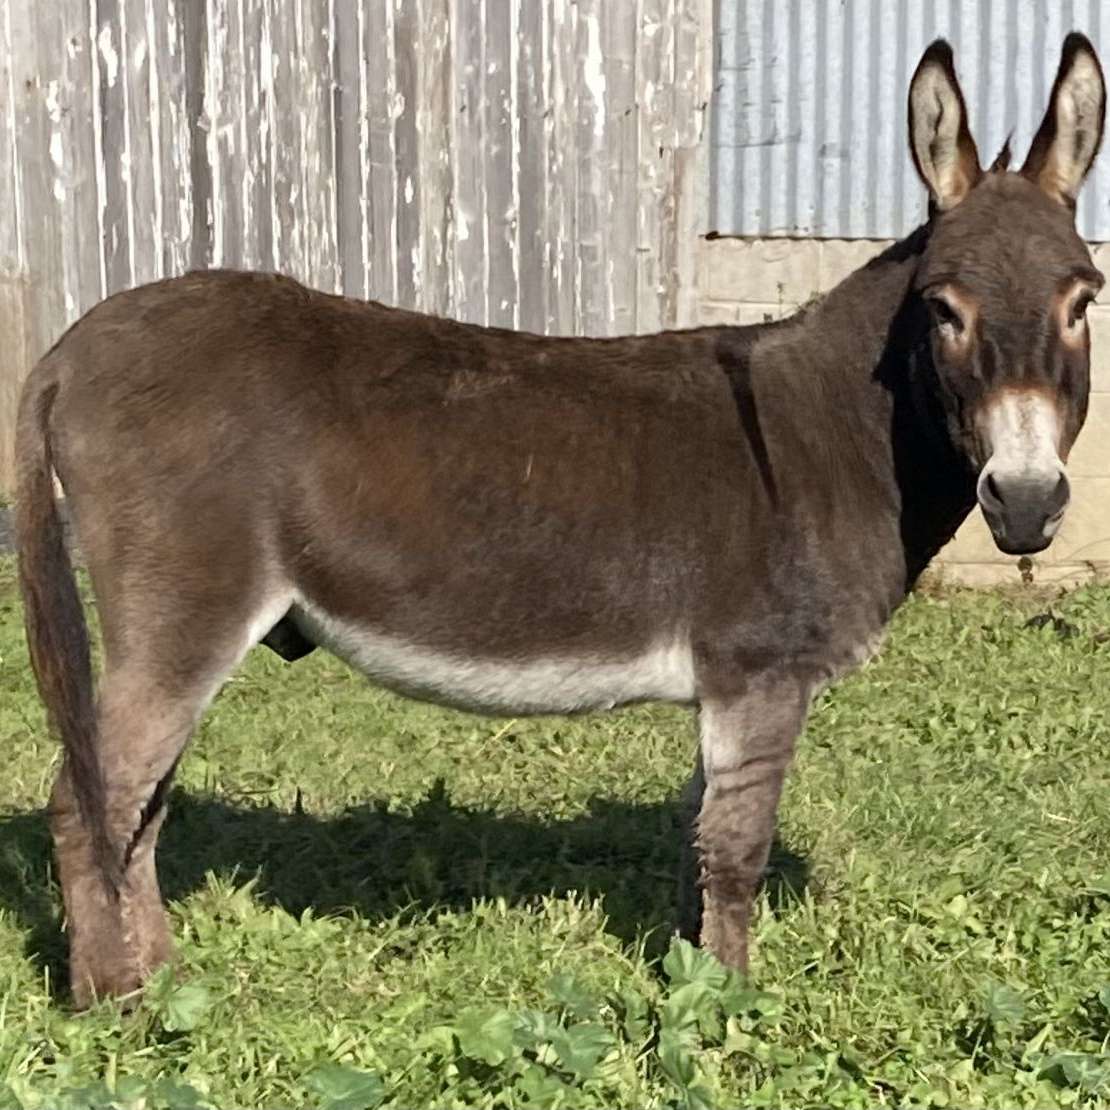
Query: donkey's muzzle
point(1023, 510)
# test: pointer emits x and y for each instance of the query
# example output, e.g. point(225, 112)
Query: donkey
point(724, 517)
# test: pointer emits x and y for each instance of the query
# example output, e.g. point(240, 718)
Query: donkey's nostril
point(1060, 494)
point(993, 490)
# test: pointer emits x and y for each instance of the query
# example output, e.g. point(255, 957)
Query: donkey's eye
point(1079, 308)
point(945, 316)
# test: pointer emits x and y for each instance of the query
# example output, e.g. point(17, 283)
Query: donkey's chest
point(477, 679)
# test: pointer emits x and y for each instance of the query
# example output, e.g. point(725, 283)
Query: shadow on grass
point(376, 862)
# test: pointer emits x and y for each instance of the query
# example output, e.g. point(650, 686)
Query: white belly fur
point(541, 684)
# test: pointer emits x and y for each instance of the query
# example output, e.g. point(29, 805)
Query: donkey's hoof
point(87, 992)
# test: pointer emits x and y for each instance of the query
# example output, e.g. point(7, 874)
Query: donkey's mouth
point(1022, 533)
point(1010, 546)
point(1023, 488)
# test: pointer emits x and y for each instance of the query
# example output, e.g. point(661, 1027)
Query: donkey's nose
point(1023, 509)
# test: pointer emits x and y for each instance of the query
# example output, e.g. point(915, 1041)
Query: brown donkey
point(724, 517)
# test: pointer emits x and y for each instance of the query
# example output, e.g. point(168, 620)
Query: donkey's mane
point(1002, 162)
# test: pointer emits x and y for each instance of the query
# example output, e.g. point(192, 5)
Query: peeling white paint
point(125, 157)
point(154, 102)
point(593, 73)
point(108, 54)
point(53, 104)
point(98, 149)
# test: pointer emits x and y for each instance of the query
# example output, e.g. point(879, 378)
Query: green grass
point(378, 902)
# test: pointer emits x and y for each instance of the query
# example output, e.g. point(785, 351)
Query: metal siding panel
point(832, 154)
point(808, 126)
point(803, 117)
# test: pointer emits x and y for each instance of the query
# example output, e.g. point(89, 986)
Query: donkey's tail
point(57, 634)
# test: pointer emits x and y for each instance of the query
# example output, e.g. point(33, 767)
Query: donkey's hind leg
point(148, 706)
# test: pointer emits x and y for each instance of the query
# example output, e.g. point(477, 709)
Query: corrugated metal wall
point(529, 163)
point(809, 113)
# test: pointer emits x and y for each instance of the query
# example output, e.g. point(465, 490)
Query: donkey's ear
point(1069, 136)
point(940, 142)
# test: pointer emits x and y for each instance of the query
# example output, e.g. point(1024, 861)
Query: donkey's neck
point(862, 354)
point(890, 378)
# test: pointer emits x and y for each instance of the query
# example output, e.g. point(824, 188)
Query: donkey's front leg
point(747, 740)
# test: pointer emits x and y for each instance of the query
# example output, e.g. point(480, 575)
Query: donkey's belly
point(538, 684)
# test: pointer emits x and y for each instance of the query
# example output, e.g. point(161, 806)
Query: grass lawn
point(378, 902)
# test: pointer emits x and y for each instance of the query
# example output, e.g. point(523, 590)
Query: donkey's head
point(1007, 281)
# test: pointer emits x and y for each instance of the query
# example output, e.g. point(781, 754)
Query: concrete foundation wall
point(744, 281)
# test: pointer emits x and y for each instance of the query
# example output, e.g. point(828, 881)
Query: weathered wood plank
point(293, 232)
point(239, 111)
point(141, 95)
point(532, 166)
point(195, 41)
point(73, 154)
point(285, 151)
point(255, 187)
point(470, 186)
point(350, 162)
point(499, 169)
point(562, 179)
point(408, 45)
point(318, 144)
point(535, 163)
point(620, 30)
point(115, 152)
point(379, 105)
point(11, 254)
point(14, 298)
point(654, 83)
point(171, 134)
point(688, 192)
point(41, 98)
point(591, 156)
point(434, 156)
point(222, 106)
point(13, 278)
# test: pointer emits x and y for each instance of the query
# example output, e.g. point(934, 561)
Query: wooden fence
point(526, 163)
